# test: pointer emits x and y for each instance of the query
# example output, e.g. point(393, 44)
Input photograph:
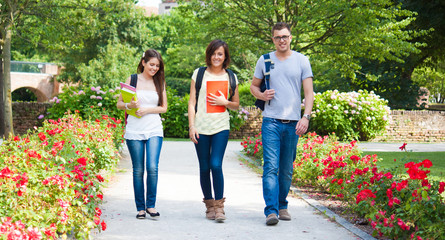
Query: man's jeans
point(138, 149)
point(210, 150)
point(279, 152)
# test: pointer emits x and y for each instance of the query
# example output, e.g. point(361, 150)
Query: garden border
point(318, 206)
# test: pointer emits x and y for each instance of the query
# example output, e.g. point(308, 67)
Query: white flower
point(385, 118)
point(81, 92)
point(368, 118)
point(93, 97)
point(333, 97)
point(346, 111)
point(353, 111)
point(111, 90)
point(335, 107)
point(99, 104)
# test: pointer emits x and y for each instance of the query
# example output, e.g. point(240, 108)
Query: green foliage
point(355, 115)
point(246, 99)
point(238, 118)
point(24, 95)
point(114, 63)
point(175, 120)
point(180, 85)
point(432, 78)
point(89, 103)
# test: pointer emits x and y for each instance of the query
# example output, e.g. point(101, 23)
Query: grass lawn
point(437, 158)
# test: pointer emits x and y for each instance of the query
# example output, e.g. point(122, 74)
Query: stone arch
point(41, 97)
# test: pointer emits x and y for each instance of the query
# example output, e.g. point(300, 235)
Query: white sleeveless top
point(149, 125)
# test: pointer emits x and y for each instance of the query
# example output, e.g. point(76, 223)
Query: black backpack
point(200, 76)
point(265, 82)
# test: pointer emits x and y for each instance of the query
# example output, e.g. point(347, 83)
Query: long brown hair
point(158, 78)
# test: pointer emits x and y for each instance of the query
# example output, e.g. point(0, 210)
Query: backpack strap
point(267, 63)
point(198, 84)
point(134, 80)
point(232, 81)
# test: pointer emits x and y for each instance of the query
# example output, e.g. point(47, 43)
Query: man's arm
point(256, 92)
point(303, 124)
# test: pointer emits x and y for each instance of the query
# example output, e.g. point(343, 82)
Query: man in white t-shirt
point(282, 121)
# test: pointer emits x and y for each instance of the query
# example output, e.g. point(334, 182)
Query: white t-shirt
point(149, 125)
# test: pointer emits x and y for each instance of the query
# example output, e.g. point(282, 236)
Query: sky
point(150, 3)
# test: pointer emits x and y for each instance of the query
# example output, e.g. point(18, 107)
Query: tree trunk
point(6, 88)
point(2, 109)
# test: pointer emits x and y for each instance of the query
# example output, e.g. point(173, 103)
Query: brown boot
point(219, 210)
point(210, 205)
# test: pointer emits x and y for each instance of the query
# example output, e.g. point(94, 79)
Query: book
point(214, 87)
point(128, 92)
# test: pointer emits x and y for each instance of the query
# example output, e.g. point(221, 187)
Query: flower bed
point(51, 179)
point(400, 203)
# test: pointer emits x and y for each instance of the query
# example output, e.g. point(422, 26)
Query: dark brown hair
point(280, 25)
point(211, 48)
point(158, 78)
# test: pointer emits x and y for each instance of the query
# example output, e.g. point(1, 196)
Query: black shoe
point(153, 215)
point(140, 216)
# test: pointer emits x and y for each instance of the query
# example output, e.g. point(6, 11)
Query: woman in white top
point(144, 135)
point(209, 124)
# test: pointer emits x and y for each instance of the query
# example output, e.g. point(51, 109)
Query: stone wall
point(415, 126)
point(25, 115)
point(405, 126)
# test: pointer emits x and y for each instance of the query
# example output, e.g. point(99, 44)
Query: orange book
point(214, 87)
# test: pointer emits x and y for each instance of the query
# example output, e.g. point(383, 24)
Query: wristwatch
point(308, 116)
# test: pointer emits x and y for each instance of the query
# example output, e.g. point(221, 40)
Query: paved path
point(182, 212)
point(394, 147)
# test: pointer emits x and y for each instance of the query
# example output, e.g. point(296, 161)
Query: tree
point(335, 34)
point(60, 26)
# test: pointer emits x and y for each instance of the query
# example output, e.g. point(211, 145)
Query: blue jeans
point(210, 150)
point(149, 149)
point(279, 152)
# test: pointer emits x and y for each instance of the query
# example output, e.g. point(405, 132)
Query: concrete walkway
point(394, 147)
point(179, 201)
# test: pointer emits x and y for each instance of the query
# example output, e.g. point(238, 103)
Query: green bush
point(181, 85)
point(358, 115)
point(175, 120)
point(246, 99)
point(92, 103)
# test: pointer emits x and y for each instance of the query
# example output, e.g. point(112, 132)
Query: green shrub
point(175, 120)
point(358, 115)
point(92, 103)
point(246, 99)
point(181, 85)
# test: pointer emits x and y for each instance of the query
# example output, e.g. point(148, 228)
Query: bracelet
point(126, 106)
point(191, 127)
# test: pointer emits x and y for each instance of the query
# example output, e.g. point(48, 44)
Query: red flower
point(403, 147)
point(100, 196)
point(403, 184)
point(16, 138)
point(104, 225)
point(441, 187)
point(364, 194)
point(98, 211)
point(100, 178)
point(96, 220)
point(82, 161)
point(427, 163)
point(42, 136)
